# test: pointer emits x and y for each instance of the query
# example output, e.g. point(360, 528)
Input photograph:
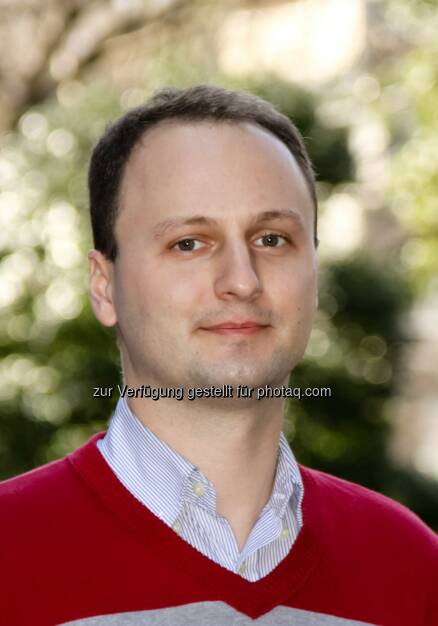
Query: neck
point(234, 442)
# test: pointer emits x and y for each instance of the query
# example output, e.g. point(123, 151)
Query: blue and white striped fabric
point(179, 494)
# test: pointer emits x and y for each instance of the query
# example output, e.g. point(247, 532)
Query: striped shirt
point(179, 494)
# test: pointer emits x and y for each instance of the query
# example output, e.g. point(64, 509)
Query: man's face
point(215, 226)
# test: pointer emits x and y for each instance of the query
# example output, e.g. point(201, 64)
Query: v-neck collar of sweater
point(253, 598)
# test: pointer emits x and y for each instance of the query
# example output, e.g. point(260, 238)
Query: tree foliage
point(54, 352)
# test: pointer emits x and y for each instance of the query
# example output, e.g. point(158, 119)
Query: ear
point(100, 288)
point(317, 291)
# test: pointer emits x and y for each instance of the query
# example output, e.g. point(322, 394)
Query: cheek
point(297, 283)
point(165, 295)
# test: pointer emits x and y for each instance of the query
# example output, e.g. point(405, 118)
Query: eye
point(271, 239)
point(186, 245)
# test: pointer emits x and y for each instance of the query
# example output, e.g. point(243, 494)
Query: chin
point(240, 374)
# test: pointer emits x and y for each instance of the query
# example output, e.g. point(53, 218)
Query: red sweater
point(75, 544)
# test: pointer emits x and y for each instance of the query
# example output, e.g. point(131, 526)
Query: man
point(192, 509)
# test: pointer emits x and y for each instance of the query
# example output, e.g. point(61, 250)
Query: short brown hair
point(192, 104)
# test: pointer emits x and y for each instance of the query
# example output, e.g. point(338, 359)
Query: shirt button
point(285, 533)
point(242, 568)
point(198, 488)
point(177, 527)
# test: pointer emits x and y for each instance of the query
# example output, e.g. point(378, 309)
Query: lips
point(236, 328)
point(235, 325)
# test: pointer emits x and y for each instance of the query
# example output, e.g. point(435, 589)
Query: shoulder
point(36, 509)
point(45, 510)
point(372, 515)
point(46, 493)
point(36, 488)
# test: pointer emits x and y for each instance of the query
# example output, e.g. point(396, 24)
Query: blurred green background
point(359, 78)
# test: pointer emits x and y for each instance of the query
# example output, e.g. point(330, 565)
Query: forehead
point(218, 164)
point(208, 138)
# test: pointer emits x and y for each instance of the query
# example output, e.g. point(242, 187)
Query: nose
point(237, 275)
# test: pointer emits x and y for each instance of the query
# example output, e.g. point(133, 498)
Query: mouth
point(233, 328)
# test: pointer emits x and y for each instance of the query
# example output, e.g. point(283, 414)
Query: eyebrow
point(160, 229)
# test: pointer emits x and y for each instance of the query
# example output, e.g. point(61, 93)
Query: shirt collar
point(164, 480)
